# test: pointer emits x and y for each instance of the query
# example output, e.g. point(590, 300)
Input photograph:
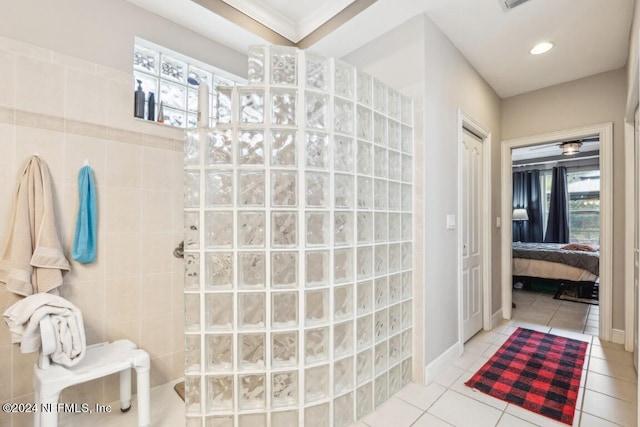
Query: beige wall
point(448, 82)
point(68, 110)
point(632, 60)
point(66, 93)
point(102, 31)
point(596, 99)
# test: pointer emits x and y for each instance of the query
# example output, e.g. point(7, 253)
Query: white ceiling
point(590, 36)
point(292, 19)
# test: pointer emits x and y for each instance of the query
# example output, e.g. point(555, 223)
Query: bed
point(552, 261)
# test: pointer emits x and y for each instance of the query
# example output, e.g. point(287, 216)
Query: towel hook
point(86, 162)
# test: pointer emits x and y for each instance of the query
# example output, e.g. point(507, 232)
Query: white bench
point(99, 361)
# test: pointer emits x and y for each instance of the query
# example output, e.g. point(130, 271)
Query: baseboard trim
point(618, 336)
point(440, 363)
point(496, 318)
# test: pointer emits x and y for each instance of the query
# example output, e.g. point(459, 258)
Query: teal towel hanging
point(84, 242)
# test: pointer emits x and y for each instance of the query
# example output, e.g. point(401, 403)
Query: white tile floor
point(608, 394)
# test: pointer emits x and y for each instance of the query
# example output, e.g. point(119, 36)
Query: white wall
point(591, 100)
point(449, 83)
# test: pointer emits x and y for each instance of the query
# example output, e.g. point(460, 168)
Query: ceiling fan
point(569, 148)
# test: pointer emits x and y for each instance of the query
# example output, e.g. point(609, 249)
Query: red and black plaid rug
point(537, 371)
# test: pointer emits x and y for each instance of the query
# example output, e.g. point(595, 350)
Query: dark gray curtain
point(527, 195)
point(558, 221)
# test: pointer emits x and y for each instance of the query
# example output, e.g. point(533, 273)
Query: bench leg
point(142, 365)
point(48, 411)
point(143, 396)
point(125, 390)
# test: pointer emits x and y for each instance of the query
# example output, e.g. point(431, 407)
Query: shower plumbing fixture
point(179, 251)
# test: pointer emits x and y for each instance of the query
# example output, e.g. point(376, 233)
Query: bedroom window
point(173, 78)
point(584, 203)
point(584, 206)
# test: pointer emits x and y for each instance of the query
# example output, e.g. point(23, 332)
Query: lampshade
point(520, 215)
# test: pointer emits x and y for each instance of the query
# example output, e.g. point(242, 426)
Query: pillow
point(578, 247)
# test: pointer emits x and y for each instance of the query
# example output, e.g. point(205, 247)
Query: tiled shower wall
point(68, 110)
point(298, 247)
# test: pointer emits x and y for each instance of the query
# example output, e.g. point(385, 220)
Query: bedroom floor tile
point(535, 318)
point(567, 326)
point(573, 315)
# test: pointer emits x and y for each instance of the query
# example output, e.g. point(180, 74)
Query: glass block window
point(173, 79)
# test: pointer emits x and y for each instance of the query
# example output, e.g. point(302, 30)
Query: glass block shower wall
point(298, 247)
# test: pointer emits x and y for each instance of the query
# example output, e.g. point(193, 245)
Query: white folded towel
point(24, 317)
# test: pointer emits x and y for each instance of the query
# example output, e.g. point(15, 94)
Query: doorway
point(552, 287)
point(604, 133)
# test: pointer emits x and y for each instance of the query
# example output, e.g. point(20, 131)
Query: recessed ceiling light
point(541, 48)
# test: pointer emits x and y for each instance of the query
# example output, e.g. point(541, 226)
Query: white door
point(471, 230)
point(636, 239)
